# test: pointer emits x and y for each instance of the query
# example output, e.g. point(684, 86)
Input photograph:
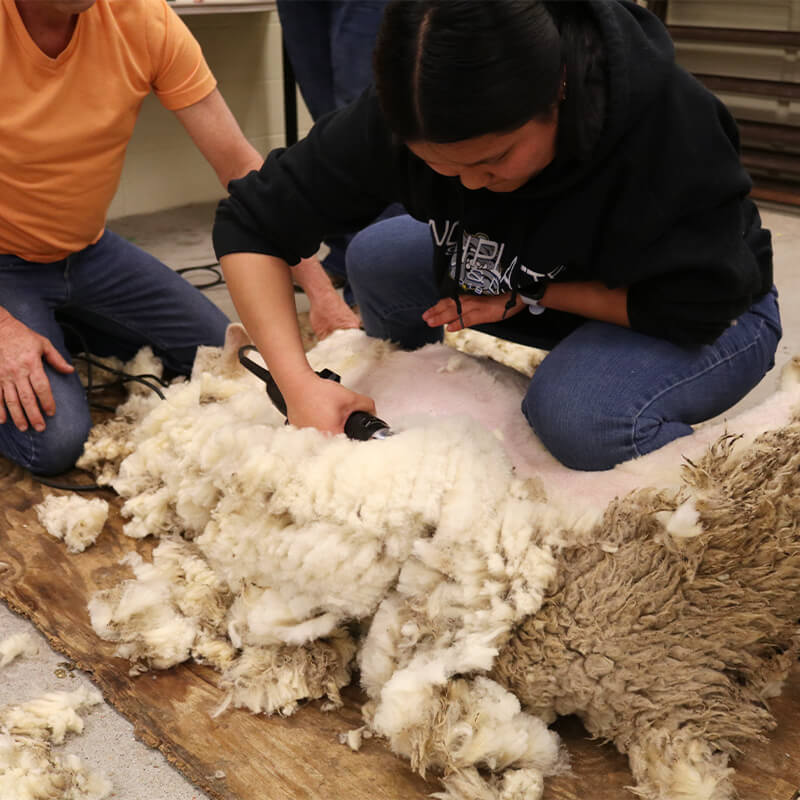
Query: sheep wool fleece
point(489, 581)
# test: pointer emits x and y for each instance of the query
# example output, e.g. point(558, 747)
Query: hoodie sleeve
point(715, 264)
point(683, 236)
point(336, 180)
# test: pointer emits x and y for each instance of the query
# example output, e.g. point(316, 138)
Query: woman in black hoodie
point(568, 186)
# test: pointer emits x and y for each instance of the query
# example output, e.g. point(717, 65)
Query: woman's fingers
point(475, 310)
point(443, 313)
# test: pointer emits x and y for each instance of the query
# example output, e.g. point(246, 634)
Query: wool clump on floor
point(16, 645)
point(76, 520)
point(29, 767)
point(481, 589)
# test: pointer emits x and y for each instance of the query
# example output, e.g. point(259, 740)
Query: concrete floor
point(182, 238)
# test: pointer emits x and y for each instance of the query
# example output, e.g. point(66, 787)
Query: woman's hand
point(323, 404)
point(475, 310)
point(24, 388)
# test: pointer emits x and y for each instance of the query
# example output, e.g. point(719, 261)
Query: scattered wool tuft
point(174, 608)
point(684, 522)
point(353, 739)
point(18, 644)
point(273, 679)
point(76, 520)
point(790, 374)
point(29, 769)
point(515, 784)
point(50, 717)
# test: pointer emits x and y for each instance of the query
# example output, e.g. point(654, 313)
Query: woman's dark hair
point(448, 70)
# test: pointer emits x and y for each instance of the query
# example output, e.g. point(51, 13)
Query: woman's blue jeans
point(119, 299)
point(604, 394)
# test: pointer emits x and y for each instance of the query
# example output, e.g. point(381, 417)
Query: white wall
point(163, 169)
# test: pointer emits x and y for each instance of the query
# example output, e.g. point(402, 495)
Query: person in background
point(330, 45)
point(568, 185)
point(75, 73)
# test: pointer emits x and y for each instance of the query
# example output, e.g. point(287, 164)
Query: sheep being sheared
point(456, 539)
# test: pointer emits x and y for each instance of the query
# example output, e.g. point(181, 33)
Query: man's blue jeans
point(604, 394)
point(119, 299)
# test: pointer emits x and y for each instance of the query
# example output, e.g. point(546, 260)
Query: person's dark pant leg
point(30, 292)
point(122, 298)
point(119, 298)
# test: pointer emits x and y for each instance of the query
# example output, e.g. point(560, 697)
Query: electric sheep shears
point(360, 425)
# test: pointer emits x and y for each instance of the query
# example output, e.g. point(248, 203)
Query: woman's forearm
point(590, 299)
point(262, 291)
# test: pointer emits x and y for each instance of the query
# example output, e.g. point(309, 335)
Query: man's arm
point(217, 134)
point(219, 138)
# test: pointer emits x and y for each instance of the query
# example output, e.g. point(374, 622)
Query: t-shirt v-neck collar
point(33, 50)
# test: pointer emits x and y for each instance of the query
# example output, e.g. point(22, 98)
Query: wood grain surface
point(278, 758)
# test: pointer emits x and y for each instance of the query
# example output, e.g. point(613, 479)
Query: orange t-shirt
point(65, 122)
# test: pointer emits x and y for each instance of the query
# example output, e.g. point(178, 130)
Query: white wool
point(444, 536)
point(18, 644)
point(262, 617)
point(469, 784)
point(146, 364)
point(29, 770)
point(485, 726)
point(51, 716)
point(353, 738)
point(310, 531)
point(670, 766)
point(273, 679)
point(683, 522)
point(790, 374)
point(76, 520)
point(175, 607)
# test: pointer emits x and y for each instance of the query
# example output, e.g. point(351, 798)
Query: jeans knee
point(361, 255)
point(573, 431)
point(395, 250)
point(54, 450)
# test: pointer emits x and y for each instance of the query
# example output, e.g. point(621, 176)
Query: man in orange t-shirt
point(75, 73)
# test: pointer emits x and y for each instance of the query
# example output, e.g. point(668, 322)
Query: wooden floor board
point(240, 756)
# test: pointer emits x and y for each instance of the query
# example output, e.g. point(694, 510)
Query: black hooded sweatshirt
point(659, 205)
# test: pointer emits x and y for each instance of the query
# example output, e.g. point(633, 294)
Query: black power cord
point(122, 377)
point(213, 268)
point(152, 382)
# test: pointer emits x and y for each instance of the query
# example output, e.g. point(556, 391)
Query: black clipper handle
point(360, 425)
point(363, 426)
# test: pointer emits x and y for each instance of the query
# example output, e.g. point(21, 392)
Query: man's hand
point(324, 404)
point(475, 310)
point(330, 313)
point(24, 388)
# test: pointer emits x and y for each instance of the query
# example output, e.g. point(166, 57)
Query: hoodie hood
point(639, 59)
